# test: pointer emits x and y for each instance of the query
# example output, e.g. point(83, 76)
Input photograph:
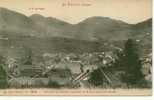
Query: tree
point(131, 64)
point(3, 78)
point(96, 78)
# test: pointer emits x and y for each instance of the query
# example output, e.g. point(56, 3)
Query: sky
point(74, 11)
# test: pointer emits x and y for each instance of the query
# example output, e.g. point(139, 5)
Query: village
point(61, 70)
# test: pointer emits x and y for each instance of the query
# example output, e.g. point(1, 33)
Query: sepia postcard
point(75, 47)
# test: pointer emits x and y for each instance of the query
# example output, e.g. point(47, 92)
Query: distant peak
point(4, 10)
point(145, 22)
point(36, 16)
point(102, 19)
point(97, 18)
point(7, 13)
point(1, 8)
point(148, 20)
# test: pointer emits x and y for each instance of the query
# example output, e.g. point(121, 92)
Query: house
point(27, 82)
point(30, 71)
point(61, 76)
point(73, 66)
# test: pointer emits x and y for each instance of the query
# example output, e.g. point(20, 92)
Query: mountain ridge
point(46, 34)
point(91, 29)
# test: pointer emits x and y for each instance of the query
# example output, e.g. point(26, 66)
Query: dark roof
point(30, 70)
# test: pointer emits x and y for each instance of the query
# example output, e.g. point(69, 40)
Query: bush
point(53, 84)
